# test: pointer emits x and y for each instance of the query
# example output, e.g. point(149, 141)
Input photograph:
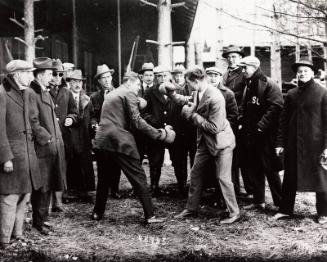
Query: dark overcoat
point(16, 142)
point(83, 177)
point(119, 117)
point(303, 134)
point(231, 105)
point(235, 81)
point(51, 154)
point(65, 106)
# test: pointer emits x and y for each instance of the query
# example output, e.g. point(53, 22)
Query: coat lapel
point(204, 99)
point(13, 91)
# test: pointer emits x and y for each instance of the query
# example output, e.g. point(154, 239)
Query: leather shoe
point(48, 225)
point(185, 214)
point(260, 206)
point(153, 220)
point(230, 220)
point(57, 209)
point(96, 217)
point(43, 230)
point(115, 195)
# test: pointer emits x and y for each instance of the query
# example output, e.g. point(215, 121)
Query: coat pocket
point(46, 150)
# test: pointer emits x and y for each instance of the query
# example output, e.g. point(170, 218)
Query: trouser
point(261, 159)
point(223, 164)
point(289, 193)
point(56, 198)
point(156, 154)
point(40, 206)
point(103, 166)
point(136, 176)
point(12, 210)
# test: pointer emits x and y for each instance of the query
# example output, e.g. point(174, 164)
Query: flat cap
point(250, 61)
point(161, 69)
point(214, 70)
point(18, 65)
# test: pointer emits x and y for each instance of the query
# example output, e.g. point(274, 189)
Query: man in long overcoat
point(19, 170)
point(303, 137)
point(66, 112)
point(49, 145)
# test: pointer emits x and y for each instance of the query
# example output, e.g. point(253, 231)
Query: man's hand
point(170, 137)
point(142, 103)
point(68, 121)
point(188, 110)
point(8, 166)
point(279, 150)
point(168, 89)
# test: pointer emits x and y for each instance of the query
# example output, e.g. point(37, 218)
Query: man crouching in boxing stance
point(115, 141)
point(215, 140)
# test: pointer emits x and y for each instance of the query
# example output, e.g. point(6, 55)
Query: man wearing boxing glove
point(215, 141)
point(115, 142)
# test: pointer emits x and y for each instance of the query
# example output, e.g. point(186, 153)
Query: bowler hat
point(146, 67)
point(214, 70)
point(18, 65)
point(43, 63)
point(179, 69)
point(161, 69)
point(101, 69)
point(250, 61)
point(76, 75)
point(56, 63)
point(232, 49)
point(302, 62)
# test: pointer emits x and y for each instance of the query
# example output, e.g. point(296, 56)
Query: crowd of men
point(228, 123)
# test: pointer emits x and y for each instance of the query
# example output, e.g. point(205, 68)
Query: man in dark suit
point(215, 141)
point(116, 143)
point(103, 78)
point(66, 112)
point(157, 115)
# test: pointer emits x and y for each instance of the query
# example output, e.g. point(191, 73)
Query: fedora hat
point(179, 69)
point(76, 75)
point(161, 69)
point(56, 63)
point(43, 63)
point(101, 69)
point(146, 67)
point(232, 49)
point(18, 65)
point(302, 62)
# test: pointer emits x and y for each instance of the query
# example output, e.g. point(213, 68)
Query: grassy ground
point(122, 235)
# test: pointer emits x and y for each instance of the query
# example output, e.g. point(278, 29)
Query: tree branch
point(21, 40)
point(308, 6)
point(152, 42)
point(148, 3)
point(14, 20)
point(40, 37)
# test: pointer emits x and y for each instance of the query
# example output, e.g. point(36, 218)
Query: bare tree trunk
point(276, 63)
point(164, 33)
point(198, 53)
point(325, 49)
point(74, 35)
point(29, 30)
point(190, 53)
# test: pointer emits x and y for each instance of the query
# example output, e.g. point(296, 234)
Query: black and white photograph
point(163, 130)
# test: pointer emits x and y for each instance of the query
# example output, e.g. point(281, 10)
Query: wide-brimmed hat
point(250, 61)
point(232, 49)
point(57, 65)
point(76, 75)
point(43, 63)
point(302, 62)
point(214, 70)
point(161, 69)
point(146, 67)
point(179, 69)
point(68, 66)
point(101, 69)
point(18, 65)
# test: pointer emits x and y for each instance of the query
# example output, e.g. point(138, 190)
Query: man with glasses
point(66, 112)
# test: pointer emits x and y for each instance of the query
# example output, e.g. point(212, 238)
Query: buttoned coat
point(119, 117)
point(16, 141)
point(65, 106)
point(51, 154)
point(235, 81)
point(303, 134)
point(210, 119)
